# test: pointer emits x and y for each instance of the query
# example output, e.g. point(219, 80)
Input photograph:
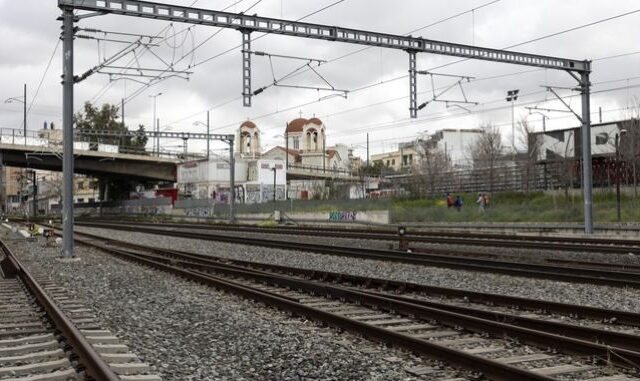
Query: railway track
point(548, 242)
point(564, 272)
point(477, 341)
point(46, 335)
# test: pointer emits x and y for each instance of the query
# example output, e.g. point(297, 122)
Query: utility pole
point(122, 109)
point(286, 161)
point(24, 112)
point(587, 176)
point(67, 132)
point(35, 195)
point(324, 154)
point(158, 137)
point(274, 183)
point(157, 140)
point(232, 182)
point(617, 143)
point(367, 149)
point(512, 96)
point(208, 132)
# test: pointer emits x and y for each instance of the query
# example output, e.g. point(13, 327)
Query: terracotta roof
point(296, 125)
point(248, 124)
point(316, 121)
point(331, 153)
point(293, 152)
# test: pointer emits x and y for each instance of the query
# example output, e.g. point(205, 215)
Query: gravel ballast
point(584, 294)
point(189, 331)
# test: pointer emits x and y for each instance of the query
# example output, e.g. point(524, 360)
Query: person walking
point(480, 202)
point(449, 200)
point(487, 200)
point(458, 203)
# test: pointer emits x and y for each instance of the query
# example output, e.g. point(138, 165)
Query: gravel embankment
point(192, 332)
point(585, 294)
point(503, 253)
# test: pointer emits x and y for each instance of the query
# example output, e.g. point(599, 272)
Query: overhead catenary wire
point(448, 18)
point(44, 75)
point(150, 83)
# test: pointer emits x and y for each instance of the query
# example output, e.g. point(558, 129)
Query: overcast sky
point(30, 32)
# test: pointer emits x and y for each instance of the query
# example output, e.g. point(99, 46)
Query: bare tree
point(430, 169)
point(563, 165)
point(530, 159)
point(630, 143)
point(487, 150)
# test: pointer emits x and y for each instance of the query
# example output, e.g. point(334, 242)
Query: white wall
point(457, 144)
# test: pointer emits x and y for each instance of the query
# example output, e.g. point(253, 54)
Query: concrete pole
point(208, 132)
point(617, 173)
point(158, 137)
point(35, 195)
point(286, 162)
point(367, 149)
point(155, 123)
point(24, 112)
point(232, 182)
point(587, 181)
point(122, 110)
point(67, 133)
point(513, 126)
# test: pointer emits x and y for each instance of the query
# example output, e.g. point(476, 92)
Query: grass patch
point(518, 207)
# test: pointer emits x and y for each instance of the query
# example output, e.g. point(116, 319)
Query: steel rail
point(620, 317)
point(562, 273)
point(587, 244)
point(613, 338)
point(491, 369)
point(95, 366)
point(422, 312)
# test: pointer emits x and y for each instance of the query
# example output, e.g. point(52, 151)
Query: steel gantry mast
point(247, 24)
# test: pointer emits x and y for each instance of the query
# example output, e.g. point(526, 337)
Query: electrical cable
point(46, 70)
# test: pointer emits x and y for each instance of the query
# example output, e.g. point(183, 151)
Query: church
point(304, 154)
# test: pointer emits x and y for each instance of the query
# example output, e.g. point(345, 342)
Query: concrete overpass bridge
point(92, 163)
point(43, 150)
point(307, 172)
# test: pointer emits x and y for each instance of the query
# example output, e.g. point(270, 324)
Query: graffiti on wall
point(199, 212)
point(342, 216)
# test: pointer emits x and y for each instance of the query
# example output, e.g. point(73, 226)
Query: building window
point(393, 161)
point(296, 143)
point(388, 163)
point(602, 139)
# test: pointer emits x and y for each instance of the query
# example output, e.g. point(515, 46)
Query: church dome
point(296, 125)
point(248, 124)
point(315, 121)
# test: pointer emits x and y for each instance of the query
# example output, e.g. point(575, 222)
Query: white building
point(254, 175)
point(456, 144)
point(305, 141)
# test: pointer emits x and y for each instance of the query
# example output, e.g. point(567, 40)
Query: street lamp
point(512, 96)
point(24, 110)
point(544, 119)
point(156, 123)
point(617, 143)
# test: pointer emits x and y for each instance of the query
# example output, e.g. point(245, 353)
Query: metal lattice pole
point(413, 85)
point(67, 133)
point(246, 68)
